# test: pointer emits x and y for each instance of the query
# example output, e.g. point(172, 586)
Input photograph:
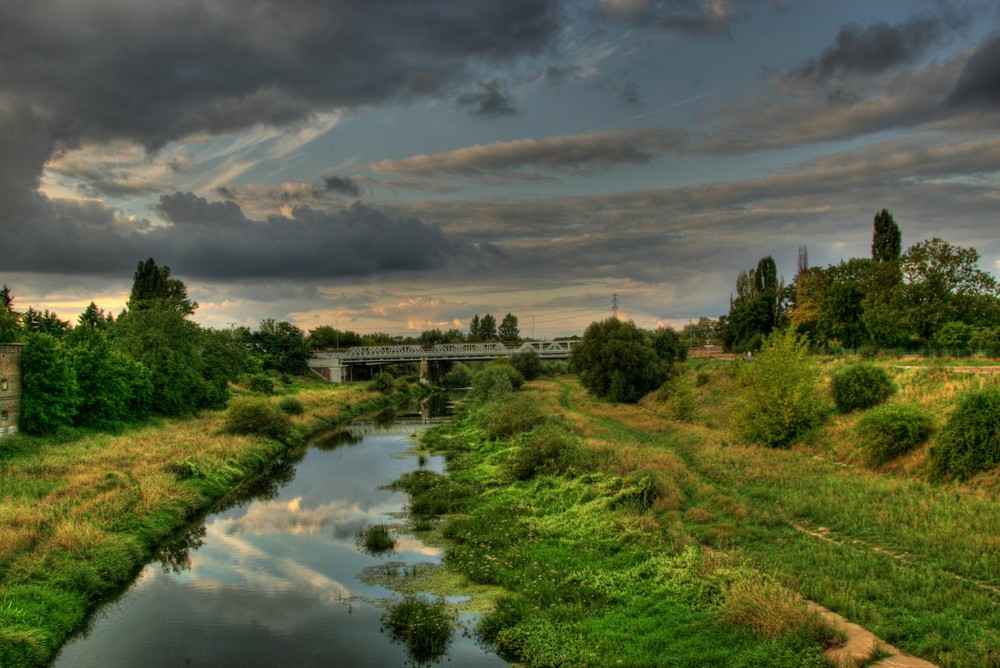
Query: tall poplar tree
point(886, 238)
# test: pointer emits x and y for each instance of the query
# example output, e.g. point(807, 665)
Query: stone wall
point(10, 388)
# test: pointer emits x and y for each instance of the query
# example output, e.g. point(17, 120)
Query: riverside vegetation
point(643, 535)
point(81, 512)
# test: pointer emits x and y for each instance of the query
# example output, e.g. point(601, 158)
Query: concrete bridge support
point(433, 371)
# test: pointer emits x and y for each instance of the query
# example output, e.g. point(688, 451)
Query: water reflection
point(275, 580)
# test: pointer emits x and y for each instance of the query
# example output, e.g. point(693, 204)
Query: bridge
point(336, 365)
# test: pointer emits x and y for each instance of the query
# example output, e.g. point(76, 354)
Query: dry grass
point(761, 604)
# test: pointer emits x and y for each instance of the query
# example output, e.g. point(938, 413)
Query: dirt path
point(861, 643)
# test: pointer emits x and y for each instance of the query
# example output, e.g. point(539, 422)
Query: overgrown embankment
point(644, 535)
point(79, 517)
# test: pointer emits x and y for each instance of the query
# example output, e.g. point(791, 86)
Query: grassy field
point(81, 514)
point(628, 537)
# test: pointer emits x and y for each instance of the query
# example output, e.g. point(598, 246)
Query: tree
point(49, 393)
point(152, 285)
point(488, 328)
point(527, 363)
point(757, 309)
point(943, 283)
point(95, 318)
point(282, 346)
point(669, 345)
point(886, 238)
point(616, 361)
point(508, 328)
point(48, 323)
point(113, 387)
point(10, 329)
point(779, 394)
point(325, 336)
point(474, 327)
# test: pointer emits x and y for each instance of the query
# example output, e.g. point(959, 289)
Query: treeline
point(480, 329)
point(107, 371)
point(933, 296)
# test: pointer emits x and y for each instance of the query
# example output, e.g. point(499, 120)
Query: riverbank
point(80, 515)
point(625, 536)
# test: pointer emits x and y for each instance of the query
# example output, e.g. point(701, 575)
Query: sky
point(395, 165)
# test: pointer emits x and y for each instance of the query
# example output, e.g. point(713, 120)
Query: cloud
point(572, 154)
point(693, 17)
point(342, 185)
point(490, 99)
point(978, 85)
point(878, 47)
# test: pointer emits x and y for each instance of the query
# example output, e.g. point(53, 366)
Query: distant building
point(10, 388)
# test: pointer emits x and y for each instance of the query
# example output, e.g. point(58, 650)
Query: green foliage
point(382, 382)
point(779, 398)
point(886, 432)
point(282, 346)
point(113, 387)
point(511, 415)
point(488, 328)
point(757, 309)
point(152, 287)
point(954, 337)
point(970, 441)
point(508, 328)
point(615, 361)
point(548, 450)
point(261, 383)
point(224, 360)
point(669, 345)
point(492, 383)
point(291, 406)
point(249, 416)
point(460, 375)
point(49, 392)
point(376, 539)
point(886, 238)
point(426, 627)
point(987, 340)
point(35, 322)
point(859, 386)
point(527, 363)
point(325, 336)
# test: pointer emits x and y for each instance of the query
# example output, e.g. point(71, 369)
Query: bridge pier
point(433, 372)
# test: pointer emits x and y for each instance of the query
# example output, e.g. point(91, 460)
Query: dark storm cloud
point(342, 185)
point(978, 85)
point(490, 99)
point(694, 17)
point(215, 240)
point(152, 72)
point(878, 47)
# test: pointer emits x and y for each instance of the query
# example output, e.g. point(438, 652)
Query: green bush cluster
point(779, 398)
point(261, 383)
point(382, 382)
point(548, 450)
point(248, 416)
point(527, 363)
point(504, 418)
point(376, 539)
point(460, 375)
point(496, 382)
point(860, 386)
point(886, 432)
point(426, 627)
point(970, 441)
point(291, 406)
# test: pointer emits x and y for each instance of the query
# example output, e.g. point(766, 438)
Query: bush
point(970, 441)
point(424, 626)
point(779, 399)
point(550, 450)
point(261, 383)
point(291, 406)
point(954, 338)
point(616, 361)
point(382, 382)
point(458, 376)
point(49, 392)
point(492, 384)
point(503, 418)
point(886, 432)
point(376, 539)
point(257, 417)
point(861, 386)
point(527, 363)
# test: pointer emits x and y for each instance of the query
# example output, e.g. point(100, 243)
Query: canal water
point(274, 579)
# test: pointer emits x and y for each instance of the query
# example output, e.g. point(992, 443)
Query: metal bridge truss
point(444, 351)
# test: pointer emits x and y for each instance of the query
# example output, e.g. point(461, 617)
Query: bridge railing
point(445, 351)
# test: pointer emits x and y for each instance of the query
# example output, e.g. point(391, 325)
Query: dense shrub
point(492, 383)
point(291, 406)
point(527, 363)
point(886, 432)
point(970, 441)
point(616, 361)
point(549, 450)
point(954, 338)
point(779, 398)
point(506, 417)
point(458, 376)
point(261, 383)
point(49, 394)
point(861, 386)
point(257, 417)
point(382, 382)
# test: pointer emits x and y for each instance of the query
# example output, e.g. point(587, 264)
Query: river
point(274, 579)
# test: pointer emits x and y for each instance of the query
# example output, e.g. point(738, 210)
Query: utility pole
point(614, 305)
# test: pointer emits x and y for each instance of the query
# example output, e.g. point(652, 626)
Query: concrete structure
point(10, 388)
point(336, 365)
